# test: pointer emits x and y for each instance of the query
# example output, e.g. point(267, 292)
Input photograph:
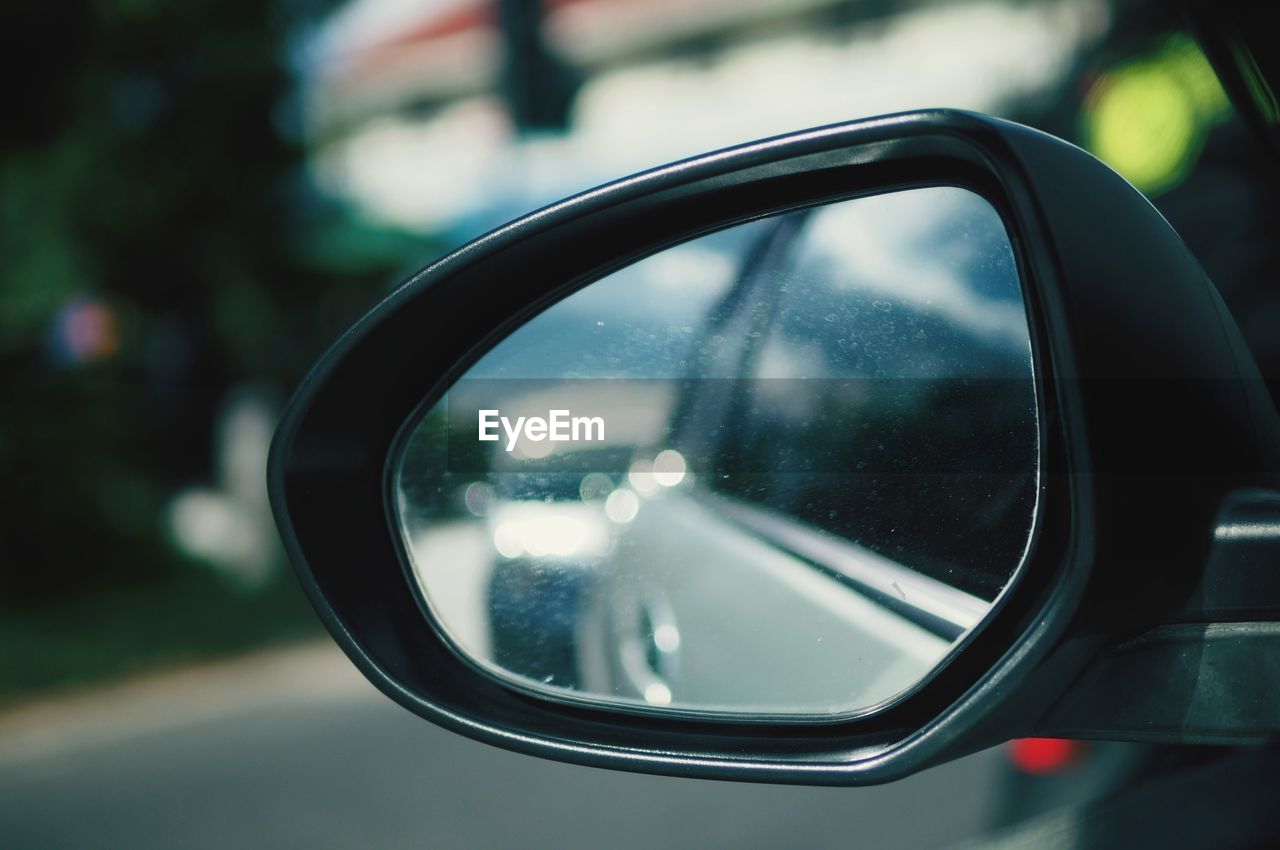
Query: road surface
point(293, 749)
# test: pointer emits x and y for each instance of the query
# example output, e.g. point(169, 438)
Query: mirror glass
point(777, 472)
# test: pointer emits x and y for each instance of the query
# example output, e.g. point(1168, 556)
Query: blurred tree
point(154, 222)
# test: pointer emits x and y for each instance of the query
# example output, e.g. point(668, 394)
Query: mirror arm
point(1212, 674)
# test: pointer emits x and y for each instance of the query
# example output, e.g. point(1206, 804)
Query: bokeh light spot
point(1148, 119)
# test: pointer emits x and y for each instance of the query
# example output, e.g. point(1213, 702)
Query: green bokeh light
point(1148, 119)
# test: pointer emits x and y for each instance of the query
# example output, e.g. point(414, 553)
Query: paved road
point(293, 749)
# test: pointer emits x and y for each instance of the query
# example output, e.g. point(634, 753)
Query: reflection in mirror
point(777, 472)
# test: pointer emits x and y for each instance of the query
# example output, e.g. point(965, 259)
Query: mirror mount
point(1218, 655)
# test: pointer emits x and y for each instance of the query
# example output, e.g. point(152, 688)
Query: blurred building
point(404, 101)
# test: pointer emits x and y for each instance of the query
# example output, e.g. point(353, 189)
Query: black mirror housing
point(1152, 418)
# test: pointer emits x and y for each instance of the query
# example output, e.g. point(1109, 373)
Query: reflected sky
point(639, 322)
point(943, 250)
point(940, 252)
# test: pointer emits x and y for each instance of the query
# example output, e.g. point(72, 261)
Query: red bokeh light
point(1039, 756)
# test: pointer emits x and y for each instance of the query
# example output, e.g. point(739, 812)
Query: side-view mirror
point(822, 459)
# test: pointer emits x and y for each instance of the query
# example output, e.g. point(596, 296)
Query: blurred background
point(196, 198)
